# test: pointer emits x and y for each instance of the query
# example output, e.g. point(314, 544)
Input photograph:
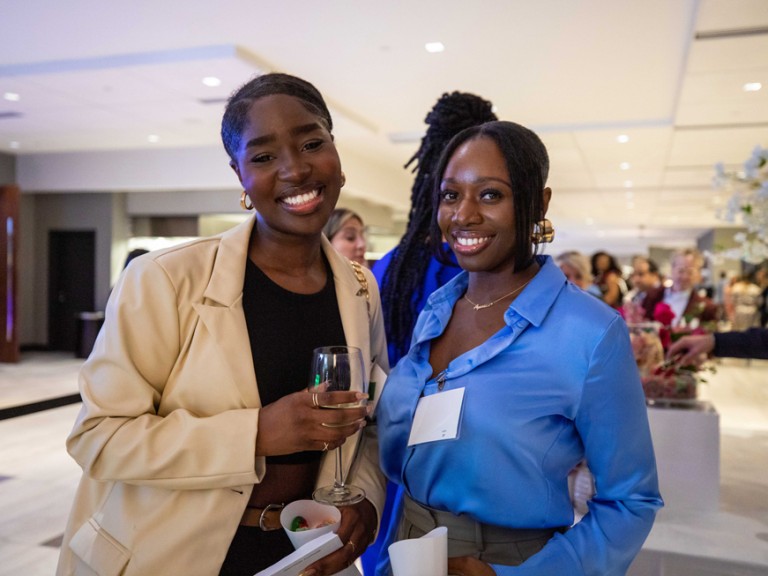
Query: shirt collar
point(533, 303)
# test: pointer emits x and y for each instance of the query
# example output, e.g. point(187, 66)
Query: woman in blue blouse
point(515, 376)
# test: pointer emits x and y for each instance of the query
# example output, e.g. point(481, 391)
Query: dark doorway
point(9, 264)
point(71, 280)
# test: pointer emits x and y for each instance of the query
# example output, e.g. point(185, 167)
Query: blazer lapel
point(354, 318)
point(222, 310)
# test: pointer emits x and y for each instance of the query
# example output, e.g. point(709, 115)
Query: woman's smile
point(303, 201)
point(467, 245)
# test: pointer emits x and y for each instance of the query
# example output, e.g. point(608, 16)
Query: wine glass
point(337, 368)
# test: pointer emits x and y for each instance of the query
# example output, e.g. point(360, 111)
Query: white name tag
point(375, 384)
point(437, 417)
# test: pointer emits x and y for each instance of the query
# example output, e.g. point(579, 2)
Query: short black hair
point(528, 168)
point(236, 112)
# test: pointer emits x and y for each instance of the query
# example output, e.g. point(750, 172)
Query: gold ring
point(314, 401)
point(325, 446)
point(353, 546)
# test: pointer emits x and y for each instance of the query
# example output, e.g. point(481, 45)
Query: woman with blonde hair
point(346, 232)
point(577, 269)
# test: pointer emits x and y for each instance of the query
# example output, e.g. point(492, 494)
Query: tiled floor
point(37, 477)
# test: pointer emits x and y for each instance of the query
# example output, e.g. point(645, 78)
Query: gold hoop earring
point(343, 179)
point(543, 232)
point(244, 201)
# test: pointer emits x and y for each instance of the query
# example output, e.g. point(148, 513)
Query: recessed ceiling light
point(12, 96)
point(624, 165)
point(211, 81)
point(434, 47)
point(13, 144)
point(752, 86)
point(622, 138)
point(153, 138)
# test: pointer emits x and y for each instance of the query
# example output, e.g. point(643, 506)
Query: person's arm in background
point(694, 349)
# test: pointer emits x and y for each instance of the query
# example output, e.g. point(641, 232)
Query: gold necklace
point(482, 306)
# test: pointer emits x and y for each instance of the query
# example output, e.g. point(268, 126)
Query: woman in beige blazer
point(186, 457)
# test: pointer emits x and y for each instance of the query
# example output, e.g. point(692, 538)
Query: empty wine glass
point(338, 368)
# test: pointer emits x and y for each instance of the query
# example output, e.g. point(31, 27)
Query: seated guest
point(685, 302)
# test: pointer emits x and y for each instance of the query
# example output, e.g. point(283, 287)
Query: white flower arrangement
point(747, 205)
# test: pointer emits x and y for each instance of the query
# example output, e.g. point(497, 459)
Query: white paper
point(375, 384)
point(312, 551)
point(437, 417)
point(425, 556)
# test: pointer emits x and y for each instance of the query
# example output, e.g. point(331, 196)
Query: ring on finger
point(325, 446)
point(315, 404)
point(354, 548)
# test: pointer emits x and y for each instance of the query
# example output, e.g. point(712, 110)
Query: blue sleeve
point(613, 423)
point(380, 267)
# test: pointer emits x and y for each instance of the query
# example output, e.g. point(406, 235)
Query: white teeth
point(301, 198)
point(471, 241)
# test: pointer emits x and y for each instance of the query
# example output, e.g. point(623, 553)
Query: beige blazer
point(167, 432)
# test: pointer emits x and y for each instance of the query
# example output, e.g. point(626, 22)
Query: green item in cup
point(299, 524)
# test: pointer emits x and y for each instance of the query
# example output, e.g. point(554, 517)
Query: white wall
point(184, 170)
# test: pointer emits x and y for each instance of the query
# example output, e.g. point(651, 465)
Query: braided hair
point(403, 283)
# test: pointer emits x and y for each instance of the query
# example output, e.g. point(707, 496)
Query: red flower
point(663, 314)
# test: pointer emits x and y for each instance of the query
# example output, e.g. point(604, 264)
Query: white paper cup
point(425, 556)
point(315, 514)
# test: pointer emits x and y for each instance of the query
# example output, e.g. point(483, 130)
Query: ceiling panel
point(95, 77)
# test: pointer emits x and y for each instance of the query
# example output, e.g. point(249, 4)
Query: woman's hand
point(468, 566)
point(356, 532)
point(692, 349)
point(296, 423)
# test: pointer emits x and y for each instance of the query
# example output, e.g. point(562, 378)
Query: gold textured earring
point(543, 232)
point(244, 201)
point(343, 179)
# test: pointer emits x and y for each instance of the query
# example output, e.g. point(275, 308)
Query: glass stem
point(339, 469)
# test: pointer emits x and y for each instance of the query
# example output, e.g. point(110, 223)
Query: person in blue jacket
point(409, 273)
point(514, 376)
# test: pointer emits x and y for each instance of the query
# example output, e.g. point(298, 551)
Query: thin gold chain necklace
point(483, 306)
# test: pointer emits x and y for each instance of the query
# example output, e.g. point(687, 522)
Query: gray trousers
point(466, 537)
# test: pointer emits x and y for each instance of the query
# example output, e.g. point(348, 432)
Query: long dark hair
point(403, 283)
point(528, 167)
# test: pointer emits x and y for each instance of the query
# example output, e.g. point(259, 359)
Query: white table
point(687, 445)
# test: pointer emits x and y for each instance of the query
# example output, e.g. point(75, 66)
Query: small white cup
point(314, 513)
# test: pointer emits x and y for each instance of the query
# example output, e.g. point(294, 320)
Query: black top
point(283, 328)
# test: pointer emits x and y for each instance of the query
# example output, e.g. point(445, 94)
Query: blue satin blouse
point(556, 385)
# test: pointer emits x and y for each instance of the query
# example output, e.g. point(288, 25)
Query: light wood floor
point(38, 479)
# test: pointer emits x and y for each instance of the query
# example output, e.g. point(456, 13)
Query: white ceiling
point(101, 75)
